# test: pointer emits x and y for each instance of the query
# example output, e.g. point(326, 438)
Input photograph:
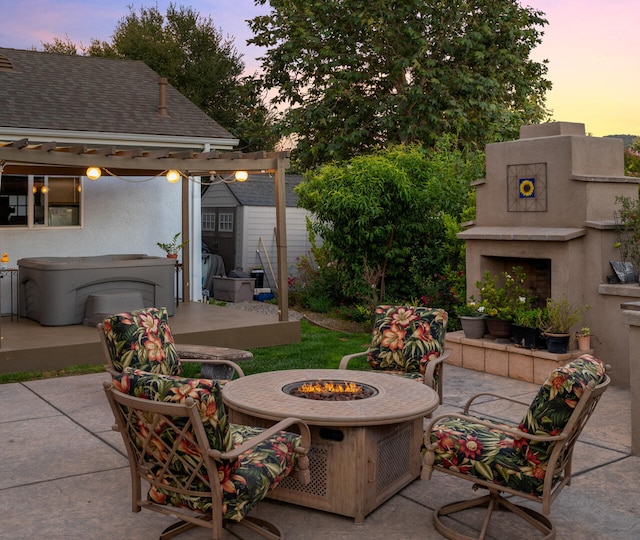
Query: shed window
point(225, 222)
point(208, 221)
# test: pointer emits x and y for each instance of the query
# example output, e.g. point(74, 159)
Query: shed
point(239, 224)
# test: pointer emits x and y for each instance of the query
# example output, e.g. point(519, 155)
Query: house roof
point(59, 92)
point(259, 190)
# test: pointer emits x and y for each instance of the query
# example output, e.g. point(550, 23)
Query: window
point(225, 222)
point(40, 201)
point(208, 221)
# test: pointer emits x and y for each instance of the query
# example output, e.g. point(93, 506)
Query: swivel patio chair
point(200, 468)
point(142, 339)
point(531, 460)
point(408, 341)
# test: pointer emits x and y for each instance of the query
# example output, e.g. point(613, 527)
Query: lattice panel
point(527, 187)
point(318, 468)
point(394, 458)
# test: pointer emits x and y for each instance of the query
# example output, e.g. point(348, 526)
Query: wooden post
point(186, 250)
point(281, 242)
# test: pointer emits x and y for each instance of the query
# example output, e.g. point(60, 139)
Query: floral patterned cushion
point(142, 339)
point(493, 455)
point(172, 389)
point(406, 338)
point(553, 405)
point(246, 480)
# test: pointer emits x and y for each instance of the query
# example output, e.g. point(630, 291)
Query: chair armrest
point(267, 434)
point(473, 398)
point(432, 365)
point(347, 358)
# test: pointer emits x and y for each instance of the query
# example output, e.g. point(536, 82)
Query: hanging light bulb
point(44, 189)
point(241, 176)
point(93, 173)
point(173, 176)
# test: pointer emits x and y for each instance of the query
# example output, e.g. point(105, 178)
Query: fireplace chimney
point(162, 96)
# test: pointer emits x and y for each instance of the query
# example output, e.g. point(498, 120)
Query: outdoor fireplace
point(330, 390)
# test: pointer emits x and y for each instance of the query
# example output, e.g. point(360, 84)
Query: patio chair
point(201, 469)
point(531, 460)
point(408, 341)
point(142, 339)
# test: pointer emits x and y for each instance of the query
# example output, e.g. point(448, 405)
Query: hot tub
point(54, 290)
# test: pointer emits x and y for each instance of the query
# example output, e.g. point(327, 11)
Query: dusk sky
point(592, 46)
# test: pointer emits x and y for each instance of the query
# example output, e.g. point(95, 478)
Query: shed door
point(219, 233)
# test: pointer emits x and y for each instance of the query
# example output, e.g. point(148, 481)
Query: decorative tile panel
point(527, 187)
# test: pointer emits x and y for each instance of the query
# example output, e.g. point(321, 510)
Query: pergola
point(23, 157)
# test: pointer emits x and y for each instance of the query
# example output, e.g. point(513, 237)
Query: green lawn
point(319, 348)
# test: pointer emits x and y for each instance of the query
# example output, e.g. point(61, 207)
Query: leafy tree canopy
point(196, 59)
point(360, 74)
point(377, 213)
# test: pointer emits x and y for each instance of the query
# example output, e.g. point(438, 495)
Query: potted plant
point(172, 248)
point(501, 296)
point(524, 331)
point(583, 338)
point(471, 317)
point(556, 320)
point(627, 226)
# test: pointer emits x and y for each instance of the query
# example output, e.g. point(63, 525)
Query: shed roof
point(259, 190)
point(80, 93)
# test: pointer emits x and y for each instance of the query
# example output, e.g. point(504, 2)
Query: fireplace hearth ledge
point(489, 356)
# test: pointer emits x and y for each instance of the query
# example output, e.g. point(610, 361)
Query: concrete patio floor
point(63, 473)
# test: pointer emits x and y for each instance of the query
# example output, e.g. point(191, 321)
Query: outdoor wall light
point(173, 176)
point(93, 173)
point(241, 176)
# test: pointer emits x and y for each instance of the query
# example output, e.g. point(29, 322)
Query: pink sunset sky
point(592, 46)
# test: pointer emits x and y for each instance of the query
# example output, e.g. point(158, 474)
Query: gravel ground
point(319, 319)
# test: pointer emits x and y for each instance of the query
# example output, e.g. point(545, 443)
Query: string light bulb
point(241, 176)
point(173, 176)
point(93, 173)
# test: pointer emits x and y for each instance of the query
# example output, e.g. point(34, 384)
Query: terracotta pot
point(499, 328)
point(172, 255)
point(584, 342)
point(474, 327)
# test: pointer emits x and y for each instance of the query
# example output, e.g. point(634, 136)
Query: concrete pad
point(602, 504)
point(47, 448)
point(80, 397)
point(18, 403)
point(63, 473)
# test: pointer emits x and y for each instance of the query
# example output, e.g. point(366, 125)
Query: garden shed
point(239, 224)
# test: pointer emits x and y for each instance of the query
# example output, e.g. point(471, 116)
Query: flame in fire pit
point(330, 386)
point(329, 390)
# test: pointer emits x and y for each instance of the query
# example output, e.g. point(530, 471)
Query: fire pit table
point(363, 451)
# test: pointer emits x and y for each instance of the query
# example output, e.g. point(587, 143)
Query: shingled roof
point(79, 93)
point(260, 190)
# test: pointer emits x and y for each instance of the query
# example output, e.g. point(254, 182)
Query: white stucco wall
point(119, 217)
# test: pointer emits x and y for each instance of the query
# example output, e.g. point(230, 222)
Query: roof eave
point(94, 138)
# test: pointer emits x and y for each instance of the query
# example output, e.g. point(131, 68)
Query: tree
point(60, 46)
point(360, 74)
point(196, 59)
point(386, 218)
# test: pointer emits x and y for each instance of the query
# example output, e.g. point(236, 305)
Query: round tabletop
point(398, 399)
